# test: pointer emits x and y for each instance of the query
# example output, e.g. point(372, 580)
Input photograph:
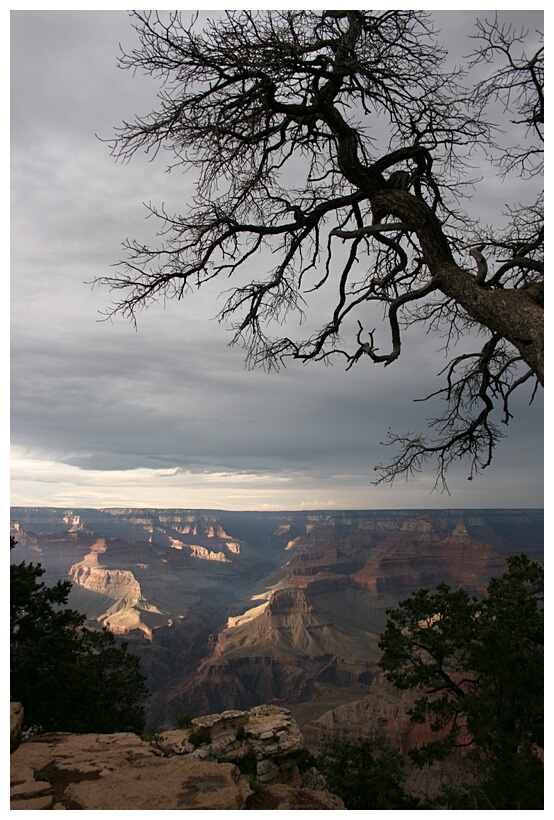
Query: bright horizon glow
point(168, 416)
point(43, 482)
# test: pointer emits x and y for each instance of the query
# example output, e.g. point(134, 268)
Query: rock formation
point(420, 554)
point(228, 610)
point(126, 612)
point(203, 553)
point(118, 771)
point(121, 771)
point(264, 740)
point(382, 715)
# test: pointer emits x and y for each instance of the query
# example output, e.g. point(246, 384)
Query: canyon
point(230, 610)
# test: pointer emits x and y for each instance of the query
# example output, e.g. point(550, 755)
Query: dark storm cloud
point(173, 397)
point(130, 397)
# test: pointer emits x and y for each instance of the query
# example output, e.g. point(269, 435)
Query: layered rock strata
point(121, 771)
point(239, 609)
point(117, 585)
point(265, 740)
point(382, 716)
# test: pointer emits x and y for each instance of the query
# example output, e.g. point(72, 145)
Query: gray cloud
point(98, 397)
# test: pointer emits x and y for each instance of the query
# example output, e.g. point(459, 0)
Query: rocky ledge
point(264, 742)
point(236, 760)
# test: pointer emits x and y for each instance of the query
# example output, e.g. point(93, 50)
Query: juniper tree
point(69, 678)
point(477, 668)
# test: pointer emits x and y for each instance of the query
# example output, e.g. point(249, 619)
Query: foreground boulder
point(264, 742)
point(118, 771)
point(121, 771)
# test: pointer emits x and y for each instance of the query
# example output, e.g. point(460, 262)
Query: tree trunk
point(516, 315)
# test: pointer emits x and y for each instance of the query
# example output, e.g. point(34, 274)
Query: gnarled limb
point(367, 224)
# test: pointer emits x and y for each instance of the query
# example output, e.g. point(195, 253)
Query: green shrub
point(200, 737)
point(184, 720)
point(478, 672)
point(365, 775)
point(68, 678)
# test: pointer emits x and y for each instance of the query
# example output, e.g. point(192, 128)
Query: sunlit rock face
point(230, 610)
point(194, 524)
point(118, 585)
point(208, 555)
point(114, 583)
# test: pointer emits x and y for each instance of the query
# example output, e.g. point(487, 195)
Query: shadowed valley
point(228, 610)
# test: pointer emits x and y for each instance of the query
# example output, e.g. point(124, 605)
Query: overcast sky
point(167, 416)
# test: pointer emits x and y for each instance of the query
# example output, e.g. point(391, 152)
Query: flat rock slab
point(121, 771)
point(118, 771)
point(172, 783)
point(33, 804)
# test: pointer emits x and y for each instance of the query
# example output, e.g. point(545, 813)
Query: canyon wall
point(230, 610)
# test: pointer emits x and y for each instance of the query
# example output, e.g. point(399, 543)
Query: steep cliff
point(422, 555)
point(284, 649)
point(241, 608)
point(382, 715)
point(127, 612)
point(317, 626)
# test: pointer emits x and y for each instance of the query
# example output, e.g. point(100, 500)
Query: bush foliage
point(68, 678)
point(364, 774)
point(477, 668)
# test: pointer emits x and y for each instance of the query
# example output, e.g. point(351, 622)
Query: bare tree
point(335, 144)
